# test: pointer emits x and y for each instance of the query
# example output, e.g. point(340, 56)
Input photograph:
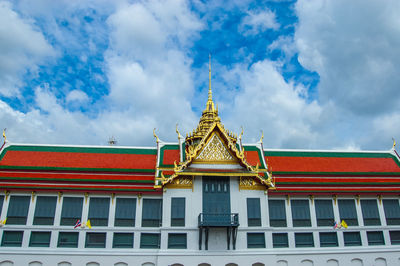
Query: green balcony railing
point(218, 220)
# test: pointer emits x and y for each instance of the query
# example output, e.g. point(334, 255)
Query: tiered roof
point(78, 168)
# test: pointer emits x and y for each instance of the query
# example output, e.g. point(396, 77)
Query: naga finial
point(154, 134)
point(4, 134)
point(241, 133)
point(177, 131)
point(394, 144)
point(262, 136)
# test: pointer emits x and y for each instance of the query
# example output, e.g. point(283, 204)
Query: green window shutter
point(303, 240)
point(277, 213)
point(123, 240)
point(280, 240)
point(352, 238)
point(370, 212)
point(71, 210)
point(375, 238)
point(328, 239)
point(347, 211)
point(392, 211)
point(12, 238)
point(98, 211)
point(177, 241)
point(40, 239)
point(68, 239)
point(95, 240)
point(148, 240)
point(125, 212)
point(324, 212)
point(45, 210)
point(1, 203)
point(152, 213)
point(177, 211)
point(253, 212)
point(300, 213)
point(18, 209)
point(394, 237)
point(255, 240)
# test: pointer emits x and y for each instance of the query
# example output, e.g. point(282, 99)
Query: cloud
point(22, 49)
point(149, 73)
point(267, 102)
point(355, 52)
point(258, 21)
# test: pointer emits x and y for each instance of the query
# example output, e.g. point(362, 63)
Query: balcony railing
point(218, 220)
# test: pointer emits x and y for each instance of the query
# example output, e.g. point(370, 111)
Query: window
point(324, 212)
point(1, 203)
point(98, 211)
point(280, 240)
point(328, 239)
point(12, 238)
point(68, 239)
point(148, 240)
point(40, 239)
point(123, 240)
point(45, 210)
point(125, 212)
point(95, 240)
point(300, 213)
point(277, 213)
point(370, 212)
point(152, 212)
point(375, 238)
point(392, 211)
point(347, 211)
point(71, 210)
point(177, 241)
point(253, 212)
point(18, 209)
point(255, 240)
point(177, 211)
point(352, 238)
point(394, 237)
point(303, 240)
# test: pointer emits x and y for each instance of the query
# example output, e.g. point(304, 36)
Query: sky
point(309, 74)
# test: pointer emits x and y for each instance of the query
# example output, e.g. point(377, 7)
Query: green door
point(216, 200)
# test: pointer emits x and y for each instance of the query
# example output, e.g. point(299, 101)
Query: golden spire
point(210, 103)
point(209, 78)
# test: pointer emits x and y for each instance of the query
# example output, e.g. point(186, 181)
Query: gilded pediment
point(215, 151)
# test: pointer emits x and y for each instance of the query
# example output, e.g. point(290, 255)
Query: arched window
point(64, 263)
point(281, 263)
point(307, 263)
point(332, 262)
point(356, 262)
point(380, 262)
point(35, 263)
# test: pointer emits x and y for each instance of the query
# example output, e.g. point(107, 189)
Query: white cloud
point(257, 21)
point(22, 48)
point(354, 48)
point(267, 102)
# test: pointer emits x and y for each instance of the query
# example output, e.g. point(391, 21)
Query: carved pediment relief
point(215, 151)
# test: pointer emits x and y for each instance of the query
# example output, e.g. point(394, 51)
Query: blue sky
point(309, 74)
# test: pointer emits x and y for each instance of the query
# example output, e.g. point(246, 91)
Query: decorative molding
point(215, 151)
point(181, 182)
point(250, 183)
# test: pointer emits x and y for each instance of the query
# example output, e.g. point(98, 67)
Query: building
point(206, 200)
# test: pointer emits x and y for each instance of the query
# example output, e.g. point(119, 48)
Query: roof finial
point(209, 78)
point(394, 143)
point(4, 135)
